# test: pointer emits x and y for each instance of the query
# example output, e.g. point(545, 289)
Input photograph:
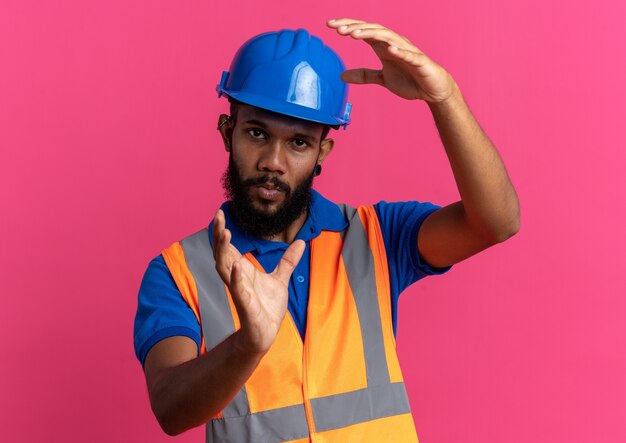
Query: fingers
point(413, 58)
point(363, 76)
point(347, 26)
point(382, 35)
point(343, 24)
point(241, 296)
point(219, 223)
point(289, 261)
point(223, 258)
point(224, 252)
point(337, 22)
point(371, 33)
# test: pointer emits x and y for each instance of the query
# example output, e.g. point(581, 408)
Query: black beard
point(259, 224)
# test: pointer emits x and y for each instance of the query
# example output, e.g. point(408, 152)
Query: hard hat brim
point(286, 108)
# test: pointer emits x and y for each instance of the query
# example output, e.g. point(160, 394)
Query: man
point(293, 340)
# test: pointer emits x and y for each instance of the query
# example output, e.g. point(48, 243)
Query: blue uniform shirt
point(163, 313)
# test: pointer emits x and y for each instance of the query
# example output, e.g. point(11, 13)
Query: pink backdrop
point(109, 153)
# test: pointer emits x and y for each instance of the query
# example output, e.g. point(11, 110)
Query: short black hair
point(234, 107)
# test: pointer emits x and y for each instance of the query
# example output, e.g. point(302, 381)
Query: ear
point(225, 126)
point(326, 146)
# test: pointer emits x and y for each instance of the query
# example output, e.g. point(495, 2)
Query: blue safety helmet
point(291, 73)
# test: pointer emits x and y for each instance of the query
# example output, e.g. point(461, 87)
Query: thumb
point(362, 76)
point(289, 261)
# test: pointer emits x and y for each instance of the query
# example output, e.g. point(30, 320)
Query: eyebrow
point(263, 125)
point(255, 122)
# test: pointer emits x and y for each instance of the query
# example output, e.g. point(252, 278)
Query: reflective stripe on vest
point(380, 398)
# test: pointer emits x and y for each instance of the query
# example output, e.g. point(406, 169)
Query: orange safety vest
point(343, 383)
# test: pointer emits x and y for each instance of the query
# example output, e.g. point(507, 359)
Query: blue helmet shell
point(291, 73)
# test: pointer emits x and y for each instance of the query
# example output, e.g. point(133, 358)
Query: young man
point(276, 323)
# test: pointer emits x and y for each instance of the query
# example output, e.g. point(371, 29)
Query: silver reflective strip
point(341, 410)
point(217, 320)
point(359, 263)
point(274, 426)
point(238, 406)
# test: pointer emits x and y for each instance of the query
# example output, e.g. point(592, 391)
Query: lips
point(268, 182)
point(268, 192)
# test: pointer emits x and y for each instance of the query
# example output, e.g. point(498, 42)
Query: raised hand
point(406, 71)
point(260, 299)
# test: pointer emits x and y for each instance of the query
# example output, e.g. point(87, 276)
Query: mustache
point(274, 181)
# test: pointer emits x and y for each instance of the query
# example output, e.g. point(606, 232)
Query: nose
point(272, 159)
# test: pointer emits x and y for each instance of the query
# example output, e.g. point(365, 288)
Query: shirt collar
point(323, 215)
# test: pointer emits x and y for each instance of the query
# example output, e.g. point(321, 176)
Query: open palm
point(406, 71)
point(260, 298)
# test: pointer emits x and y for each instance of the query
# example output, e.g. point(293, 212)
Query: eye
point(299, 143)
point(256, 133)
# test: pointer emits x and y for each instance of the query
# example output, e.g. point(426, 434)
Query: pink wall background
point(109, 153)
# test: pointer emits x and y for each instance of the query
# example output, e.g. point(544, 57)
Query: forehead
point(279, 122)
